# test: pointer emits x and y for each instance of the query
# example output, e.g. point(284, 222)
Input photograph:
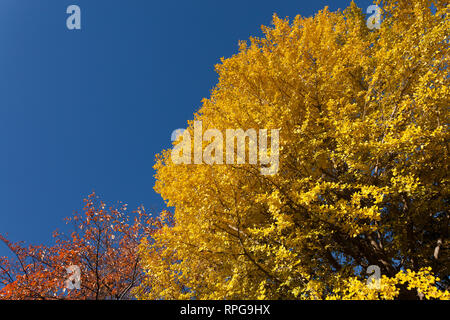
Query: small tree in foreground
point(101, 252)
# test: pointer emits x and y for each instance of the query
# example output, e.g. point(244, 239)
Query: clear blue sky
point(88, 110)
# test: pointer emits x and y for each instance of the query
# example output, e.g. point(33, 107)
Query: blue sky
point(88, 109)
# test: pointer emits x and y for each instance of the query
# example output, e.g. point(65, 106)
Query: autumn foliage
point(103, 244)
point(362, 180)
point(363, 176)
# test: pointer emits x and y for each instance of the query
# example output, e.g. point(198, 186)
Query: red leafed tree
point(101, 252)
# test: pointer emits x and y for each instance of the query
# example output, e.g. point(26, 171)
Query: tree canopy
point(360, 119)
point(362, 179)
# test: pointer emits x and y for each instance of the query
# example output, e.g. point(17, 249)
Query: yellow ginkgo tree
point(363, 166)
